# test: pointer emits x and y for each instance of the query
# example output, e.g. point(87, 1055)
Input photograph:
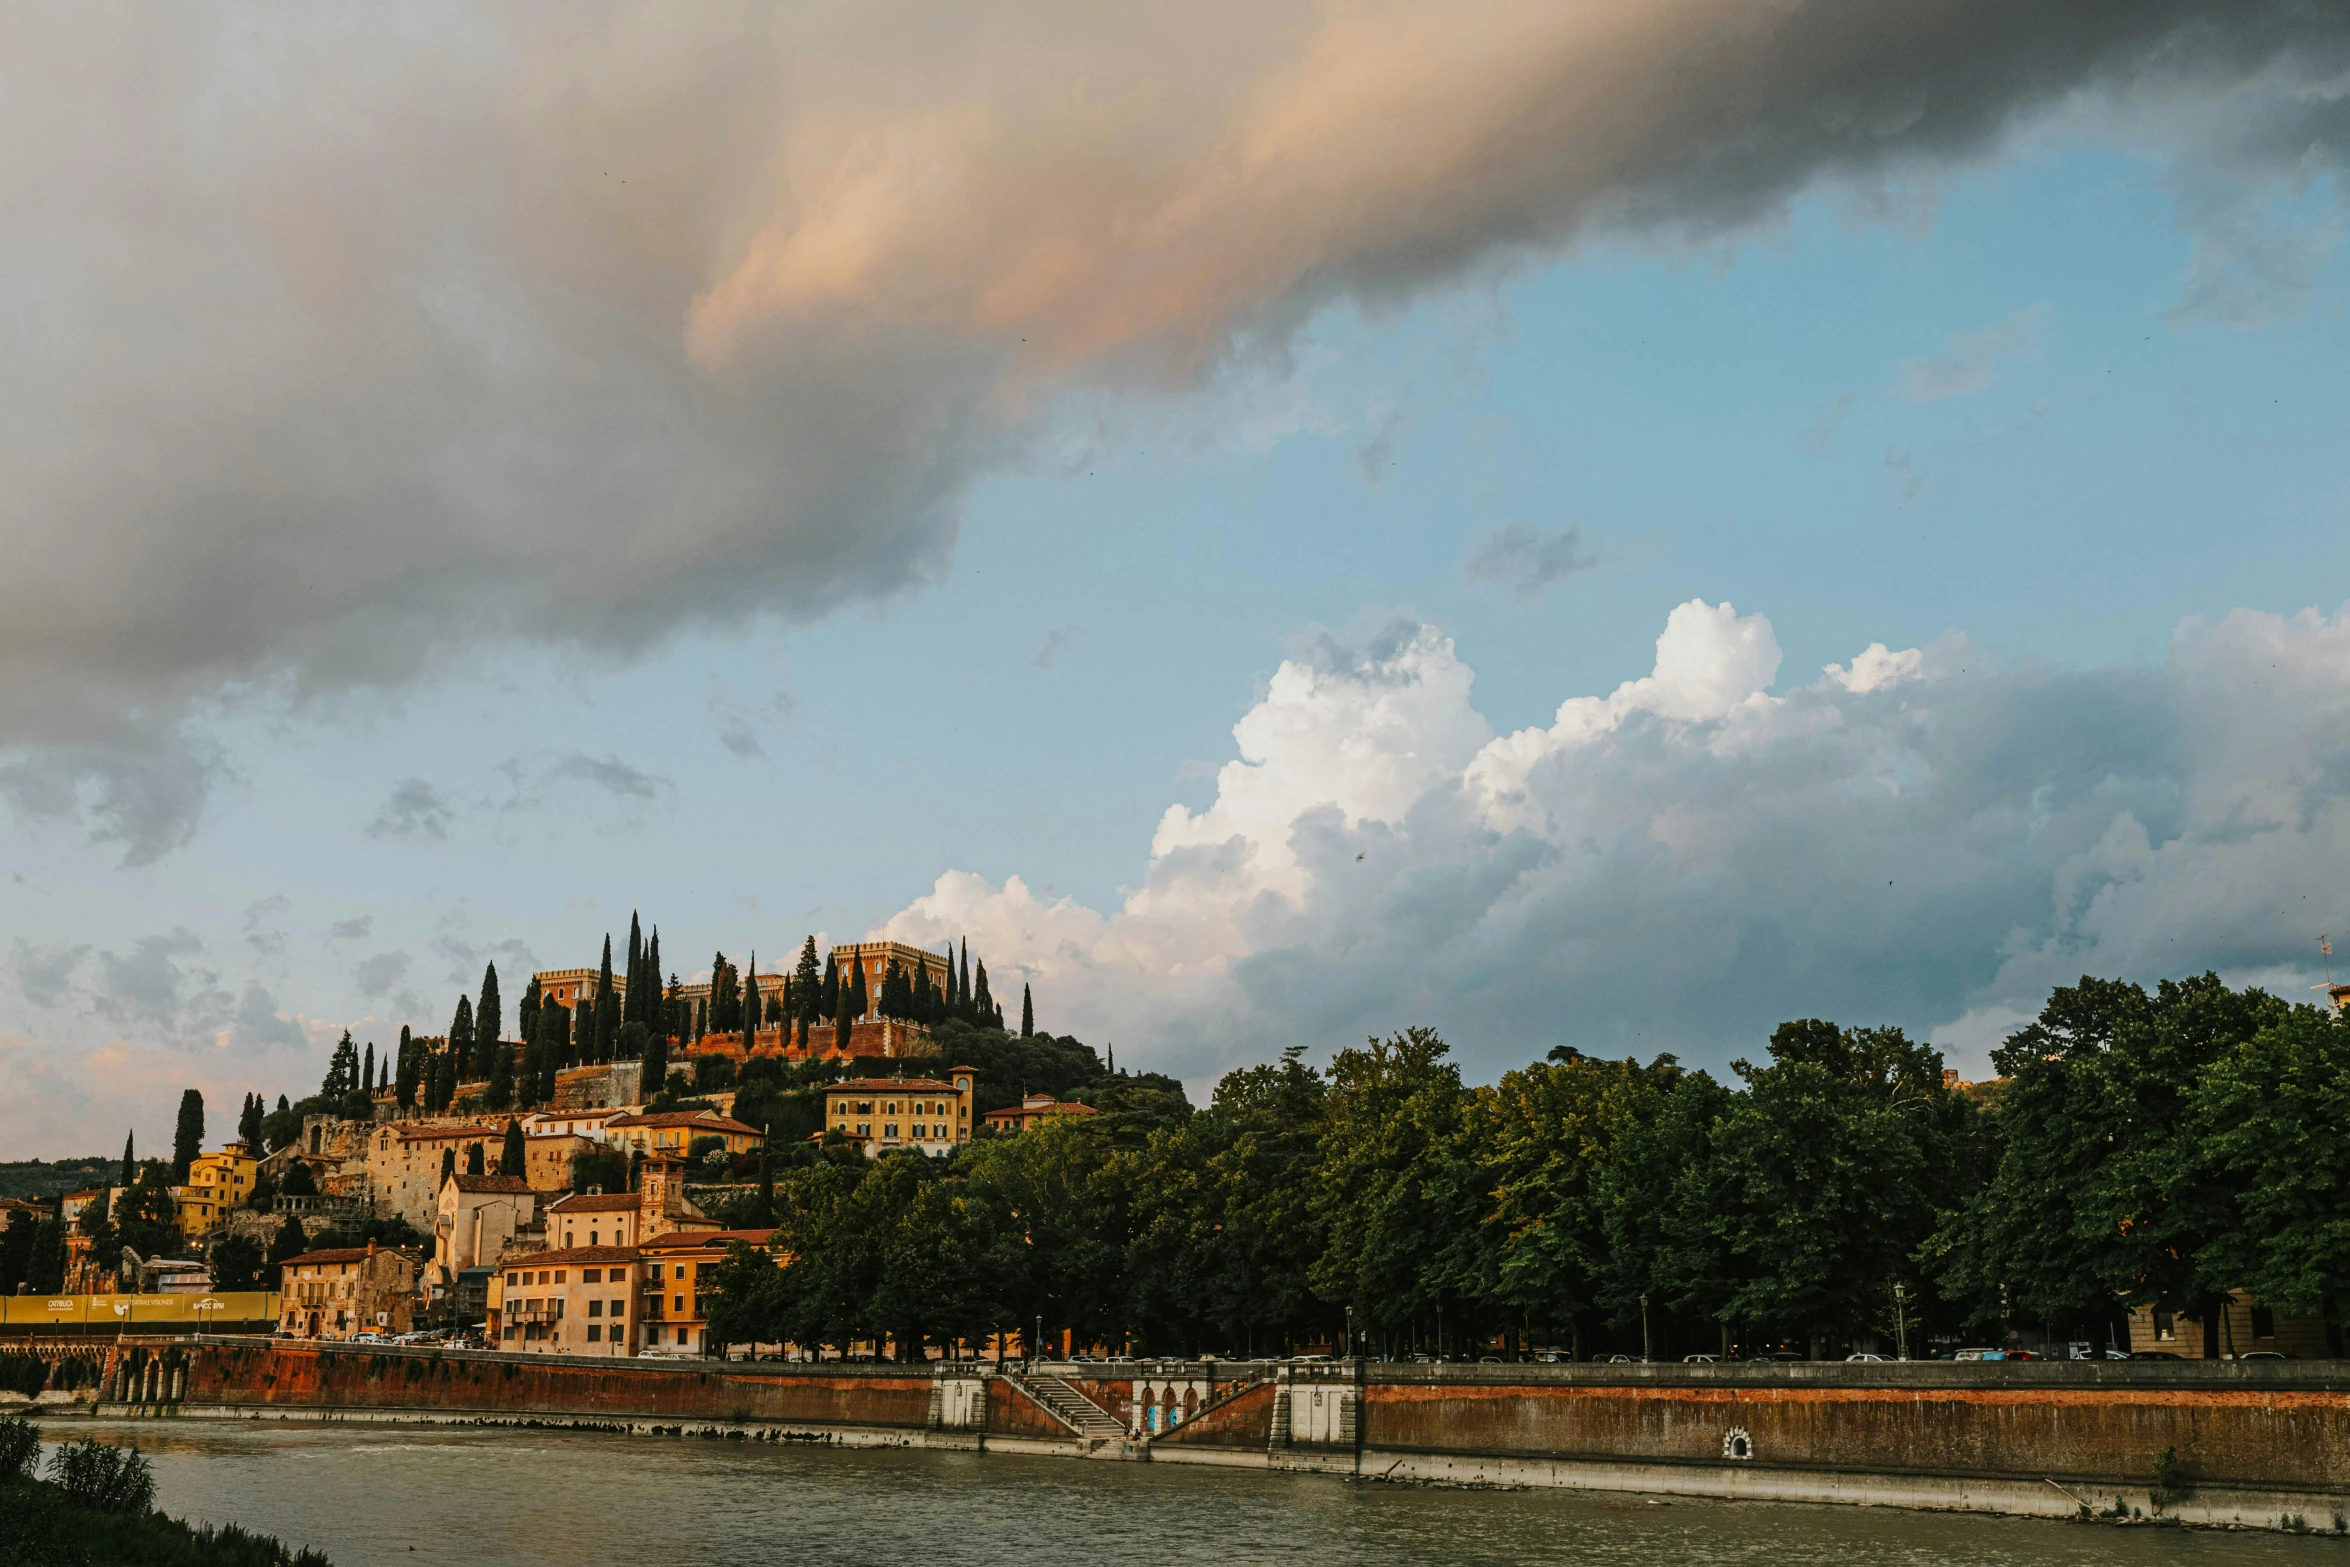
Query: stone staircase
point(1074, 1409)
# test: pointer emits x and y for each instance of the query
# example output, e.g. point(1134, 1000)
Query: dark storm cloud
point(338, 340)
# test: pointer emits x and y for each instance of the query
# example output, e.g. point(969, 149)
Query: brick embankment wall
point(1240, 1423)
point(2247, 1425)
point(304, 1378)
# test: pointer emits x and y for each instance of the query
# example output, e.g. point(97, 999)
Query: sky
point(1608, 524)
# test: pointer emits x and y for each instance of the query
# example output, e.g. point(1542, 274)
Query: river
point(370, 1496)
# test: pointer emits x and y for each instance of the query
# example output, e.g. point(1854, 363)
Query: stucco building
point(928, 1114)
point(577, 1300)
point(343, 1293)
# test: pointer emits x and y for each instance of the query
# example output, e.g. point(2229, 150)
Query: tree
point(1028, 1016)
point(299, 1182)
point(489, 1024)
point(474, 1160)
point(249, 1124)
point(860, 1003)
point(807, 988)
point(237, 1263)
point(633, 1002)
point(130, 1168)
point(459, 1049)
point(2099, 1189)
point(511, 1160)
point(45, 1266)
point(607, 1006)
point(841, 1020)
point(1393, 1192)
point(342, 1071)
point(526, 1015)
point(448, 1164)
point(652, 1052)
point(2272, 1124)
point(1826, 1177)
point(147, 1220)
point(291, 1241)
point(187, 1138)
point(501, 1089)
point(989, 1014)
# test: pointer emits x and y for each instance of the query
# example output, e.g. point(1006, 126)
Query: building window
point(595, 1308)
point(2264, 1322)
point(558, 1275)
point(595, 1332)
point(2165, 1326)
point(656, 1270)
point(681, 1335)
point(890, 1131)
point(620, 1308)
point(591, 1275)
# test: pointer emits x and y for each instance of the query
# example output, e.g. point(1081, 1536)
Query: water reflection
point(371, 1495)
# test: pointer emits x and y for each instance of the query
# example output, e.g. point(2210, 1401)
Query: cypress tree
point(984, 1002)
point(607, 1006)
point(130, 1166)
point(474, 1164)
point(501, 1095)
point(367, 1068)
point(526, 1016)
point(489, 1023)
point(510, 1158)
point(187, 1138)
point(840, 1022)
point(657, 1009)
point(1027, 1015)
point(404, 1083)
point(860, 1004)
point(828, 992)
point(633, 1004)
point(750, 998)
point(583, 1031)
point(460, 1049)
point(448, 1164)
point(654, 1070)
point(807, 989)
point(970, 1008)
point(289, 1243)
point(249, 1125)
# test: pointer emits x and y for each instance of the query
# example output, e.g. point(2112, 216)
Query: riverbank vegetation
point(2140, 1147)
point(98, 1508)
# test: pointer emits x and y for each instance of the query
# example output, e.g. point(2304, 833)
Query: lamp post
point(1350, 1330)
point(1644, 1344)
point(1901, 1321)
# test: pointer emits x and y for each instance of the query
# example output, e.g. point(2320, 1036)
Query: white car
point(1865, 1357)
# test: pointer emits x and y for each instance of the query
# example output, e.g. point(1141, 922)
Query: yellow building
point(678, 1269)
point(674, 1132)
point(571, 1301)
point(931, 1115)
point(218, 1184)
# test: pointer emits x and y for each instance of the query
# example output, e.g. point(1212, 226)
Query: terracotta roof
point(339, 1254)
point(490, 1183)
point(910, 1085)
point(1034, 1109)
point(700, 1120)
point(599, 1202)
point(677, 1240)
point(540, 1259)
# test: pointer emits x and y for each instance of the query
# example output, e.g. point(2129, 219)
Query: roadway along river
point(372, 1496)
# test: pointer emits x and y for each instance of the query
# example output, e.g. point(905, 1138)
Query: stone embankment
point(2254, 1444)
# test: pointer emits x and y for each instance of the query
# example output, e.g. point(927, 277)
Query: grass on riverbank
point(99, 1511)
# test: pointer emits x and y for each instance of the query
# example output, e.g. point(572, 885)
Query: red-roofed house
point(1029, 1111)
point(574, 1300)
point(343, 1293)
point(677, 1270)
point(927, 1114)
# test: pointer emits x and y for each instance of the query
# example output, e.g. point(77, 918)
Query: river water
point(376, 1495)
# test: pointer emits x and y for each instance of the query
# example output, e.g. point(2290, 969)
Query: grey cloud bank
point(345, 339)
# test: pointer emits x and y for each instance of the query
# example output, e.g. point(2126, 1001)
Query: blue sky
point(1985, 407)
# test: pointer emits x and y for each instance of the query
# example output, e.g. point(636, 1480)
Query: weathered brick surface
point(2251, 1435)
point(1243, 1422)
point(1011, 1412)
point(312, 1378)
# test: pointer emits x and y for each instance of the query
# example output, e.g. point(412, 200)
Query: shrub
point(104, 1479)
point(20, 1446)
point(2170, 1480)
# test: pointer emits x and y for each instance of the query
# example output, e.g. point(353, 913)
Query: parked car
point(1865, 1357)
point(1980, 1354)
point(1700, 1360)
point(1620, 1360)
point(2153, 1354)
point(2264, 1354)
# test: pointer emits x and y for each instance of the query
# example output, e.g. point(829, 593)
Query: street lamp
point(1350, 1330)
point(1901, 1321)
point(1644, 1347)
